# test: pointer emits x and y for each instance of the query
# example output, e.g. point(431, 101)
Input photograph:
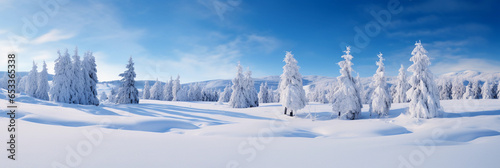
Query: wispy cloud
point(476, 64)
point(53, 35)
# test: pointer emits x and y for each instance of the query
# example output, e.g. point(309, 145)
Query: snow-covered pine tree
point(89, 71)
point(444, 87)
point(128, 94)
point(486, 90)
point(103, 97)
point(423, 94)
point(381, 100)
point(346, 101)
point(476, 90)
point(167, 90)
point(42, 91)
point(61, 83)
point(112, 95)
point(225, 95)
point(498, 91)
point(457, 89)
point(238, 99)
point(157, 91)
point(146, 94)
point(18, 85)
point(292, 93)
point(263, 93)
point(176, 86)
point(32, 84)
point(77, 81)
point(250, 91)
point(22, 83)
point(402, 87)
point(469, 94)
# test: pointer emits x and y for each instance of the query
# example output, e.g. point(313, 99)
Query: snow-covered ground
point(202, 134)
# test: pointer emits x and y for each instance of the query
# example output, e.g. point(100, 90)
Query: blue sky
point(204, 39)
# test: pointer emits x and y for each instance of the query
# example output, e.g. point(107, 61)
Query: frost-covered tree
point(176, 86)
point(498, 91)
point(381, 99)
point(444, 87)
point(486, 90)
point(128, 94)
point(4, 81)
point(469, 94)
point(22, 84)
point(423, 94)
point(194, 92)
point(42, 91)
point(61, 83)
point(476, 90)
point(346, 101)
point(250, 91)
point(263, 93)
point(401, 87)
point(103, 97)
point(167, 90)
point(89, 71)
point(457, 89)
point(238, 99)
point(77, 81)
point(32, 84)
point(157, 91)
point(225, 95)
point(292, 94)
point(146, 94)
point(112, 95)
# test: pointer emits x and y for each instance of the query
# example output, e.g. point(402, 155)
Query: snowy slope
point(199, 134)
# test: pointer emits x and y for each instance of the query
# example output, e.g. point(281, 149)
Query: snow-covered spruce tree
point(4, 81)
point(468, 92)
point(157, 91)
point(32, 84)
point(225, 95)
point(476, 90)
point(22, 83)
point(194, 92)
point(401, 87)
point(128, 94)
point(167, 90)
point(61, 83)
point(238, 99)
point(112, 95)
point(250, 91)
point(42, 92)
point(486, 90)
point(146, 94)
point(457, 89)
point(90, 77)
point(176, 86)
point(263, 93)
point(292, 94)
point(381, 99)
point(77, 81)
point(423, 94)
point(103, 97)
point(444, 86)
point(346, 101)
point(498, 91)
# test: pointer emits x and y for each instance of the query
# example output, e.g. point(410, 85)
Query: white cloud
point(475, 64)
point(51, 36)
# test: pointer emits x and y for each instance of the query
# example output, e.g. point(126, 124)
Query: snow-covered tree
point(263, 93)
point(486, 90)
point(250, 91)
point(146, 94)
point(4, 81)
point(346, 101)
point(128, 94)
point(381, 100)
point(42, 91)
point(194, 92)
point(423, 94)
point(225, 95)
point(498, 91)
point(112, 95)
point(176, 86)
point(292, 94)
point(445, 89)
point(103, 97)
point(401, 87)
point(469, 94)
point(238, 99)
point(476, 90)
point(167, 90)
point(77, 81)
point(32, 84)
point(61, 83)
point(457, 89)
point(22, 84)
point(157, 91)
point(89, 71)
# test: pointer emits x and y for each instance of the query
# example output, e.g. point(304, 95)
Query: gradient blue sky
point(204, 39)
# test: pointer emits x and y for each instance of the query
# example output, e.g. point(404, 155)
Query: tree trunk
point(291, 113)
point(285, 110)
